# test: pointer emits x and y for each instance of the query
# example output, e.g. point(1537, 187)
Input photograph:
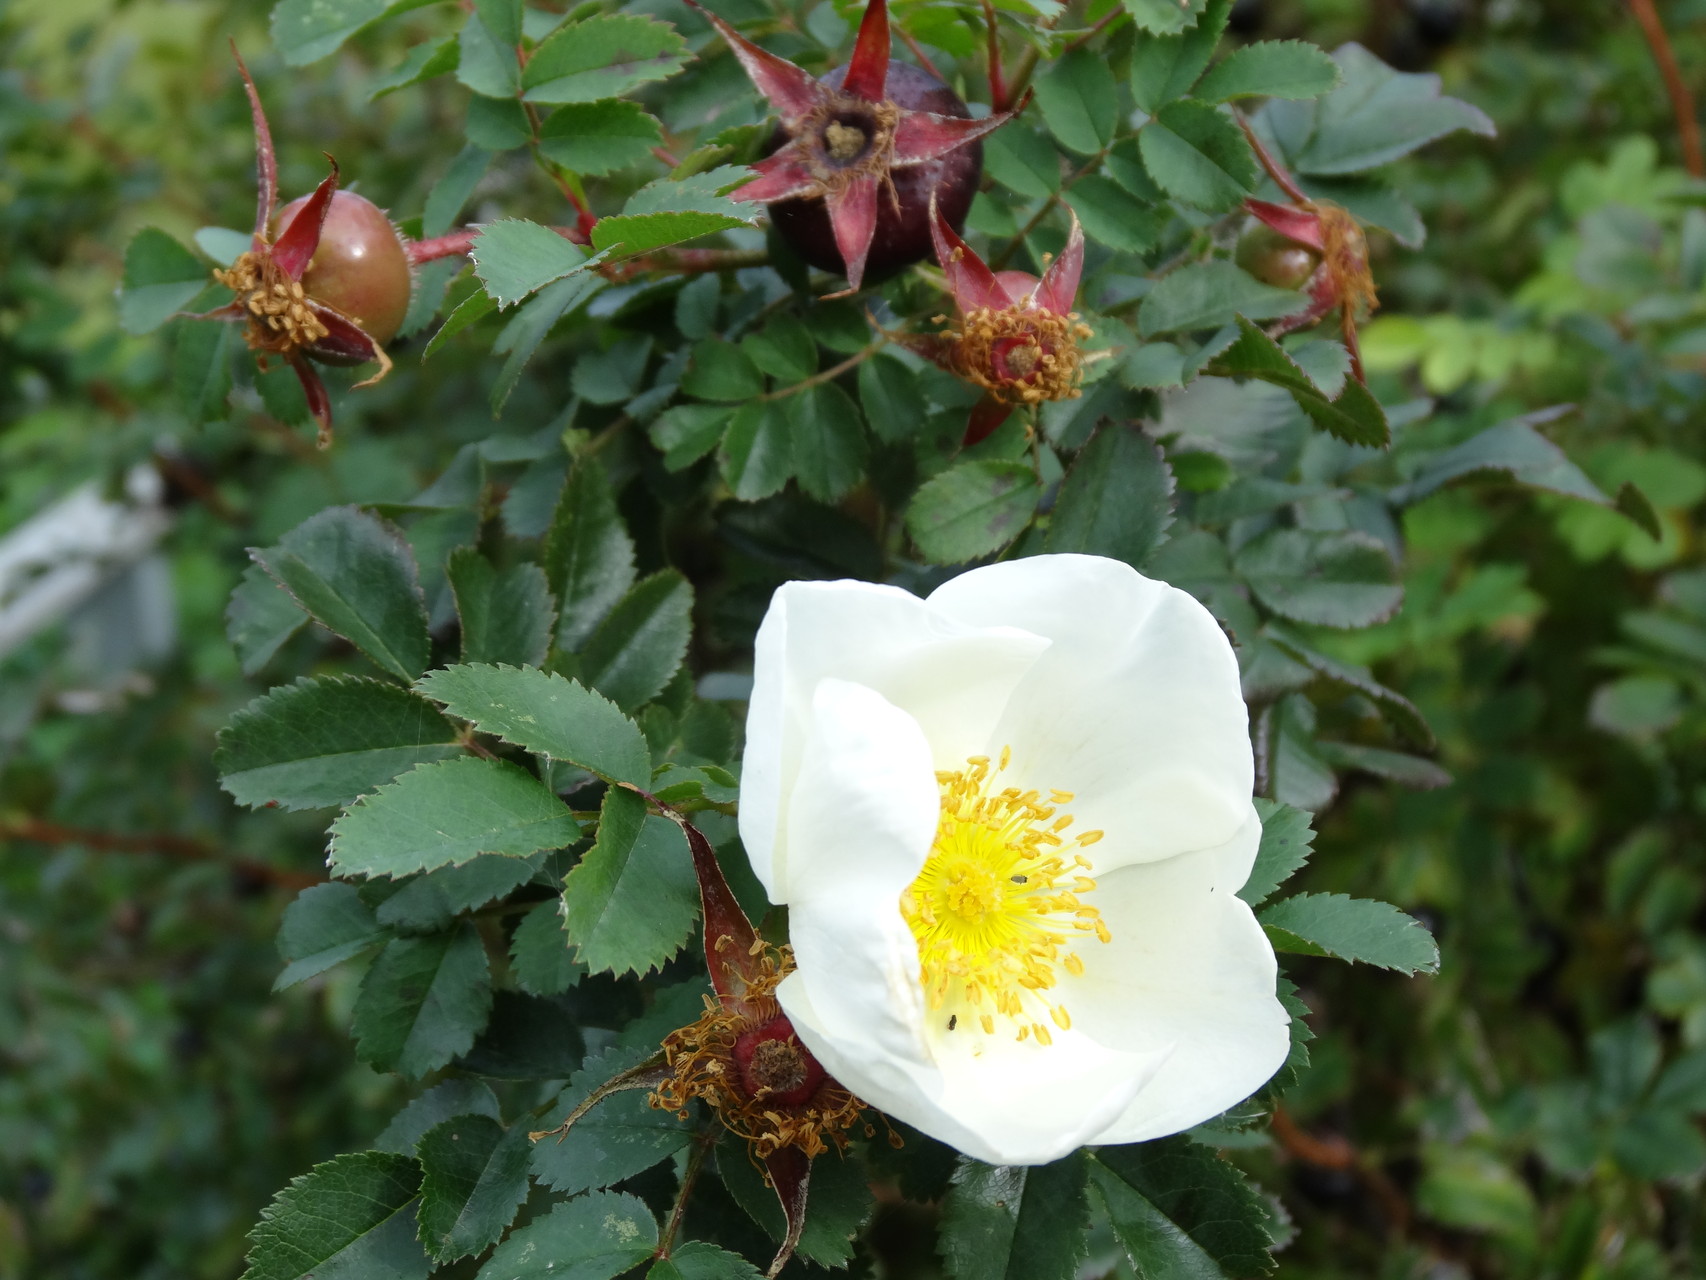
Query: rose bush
point(1010, 822)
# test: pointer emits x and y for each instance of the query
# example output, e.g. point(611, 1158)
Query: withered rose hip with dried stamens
point(360, 268)
point(902, 235)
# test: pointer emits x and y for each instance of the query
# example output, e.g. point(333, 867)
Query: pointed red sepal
point(345, 341)
point(319, 403)
point(970, 280)
point(986, 415)
point(868, 69)
point(733, 955)
point(780, 177)
point(1059, 287)
point(295, 246)
point(853, 218)
point(266, 162)
point(1301, 225)
point(790, 90)
point(921, 136)
point(790, 1173)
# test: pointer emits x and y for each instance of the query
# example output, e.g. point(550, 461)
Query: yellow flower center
point(996, 908)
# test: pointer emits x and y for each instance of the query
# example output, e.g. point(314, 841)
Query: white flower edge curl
point(1107, 685)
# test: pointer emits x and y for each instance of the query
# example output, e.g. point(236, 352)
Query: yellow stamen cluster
point(281, 319)
point(1048, 349)
point(702, 1056)
point(844, 142)
point(996, 908)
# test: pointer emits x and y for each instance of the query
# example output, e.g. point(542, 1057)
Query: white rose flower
point(1010, 822)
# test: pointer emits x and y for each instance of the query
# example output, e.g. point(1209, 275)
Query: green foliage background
point(1533, 1110)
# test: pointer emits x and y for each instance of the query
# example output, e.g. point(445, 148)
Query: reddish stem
point(997, 83)
point(175, 846)
point(1283, 180)
point(456, 243)
point(918, 52)
point(1681, 100)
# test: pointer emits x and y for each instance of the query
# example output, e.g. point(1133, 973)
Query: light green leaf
point(423, 62)
point(600, 137)
point(323, 742)
point(545, 713)
point(1270, 69)
point(1286, 839)
point(444, 202)
point(1016, 1223)
point(1023, 160)
point(591, 1237)
point(1337, 578)
point(1513, 450)
point(1198, 155)
point(423, 1002)
point(631, 902)
point(514, 257)
point(1117, 500)
point(641, 642)
point(484, 63)
point(305, 31)
point(669, 211)
point(972, 510)
point(502, 19)
point(1206, 295)
point(347, 1218)
point(326, 925)
point(1164, 69)
point(506, 617)
point(1164, 17)
point(1359, 929)
point(474, 1179)
point(449, 812)
point(603, 57)
point(589, 557)
point(160, 279)
point(476, 306)
point(358, 578)
point(1112, 216)
point(1079, 100)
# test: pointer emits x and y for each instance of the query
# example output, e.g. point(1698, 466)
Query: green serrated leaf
point(589, 557)
point(423, 1002)
point(201, 368)
point(444, 202)
point(1016, 1223)
point(757, 453)
point(318, 743)
point(621, 1136)
point(506, 617)
point(455, 1097)
point(1513, 450)
point(1180, 1211)
point(540, 954)
point(514, 258)
point(484, 63)
point(592, 1237)
point(1338, 578)
point(423, 62)
point(305, 31)
point(1079, 100)
point(829, 441)
point(722, 371)
point(476, 306)
point(260, 618)
point(160, 279)
point(1206, 295)
point(972, 510)
point(670, 210)
point(1377, 115)
point(547, 714)
point(1270, 69)
point(596, 138)
point(1117, 500)
point(446, 813)
point(1165, 68)
point(1198, 155)
point(688, 432)
point(1359, 929)
point(432, 901)
point(631, 902)
point(474, 1178)
point(347, 1217)
point(1286, 839)
point(1165, 17)
point(1354, 415)
point(326, 925)
point(1112, 216)
point(640, 644)
point(603, 57)
point(890, 396)
point(1023, 160)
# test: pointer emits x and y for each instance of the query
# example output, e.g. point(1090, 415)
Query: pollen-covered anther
point(995, 907)
point(1020, 354)
point(282, 319)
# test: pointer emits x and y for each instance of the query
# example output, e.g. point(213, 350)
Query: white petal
point(953, 678)
point(1135, 707)
point(864, 815)
point(1188, 970)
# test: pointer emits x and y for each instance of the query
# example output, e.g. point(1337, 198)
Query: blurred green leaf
point(161, 277)
point(1340, 578)
point(1079, 101)
point(540, 955)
